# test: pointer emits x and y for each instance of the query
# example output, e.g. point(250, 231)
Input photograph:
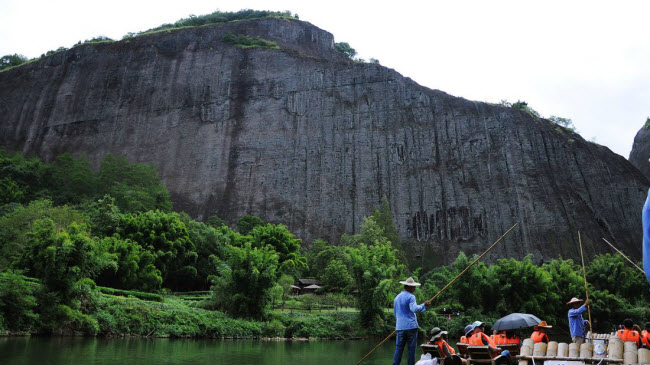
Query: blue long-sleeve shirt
point(404, 309)
point(576, 322)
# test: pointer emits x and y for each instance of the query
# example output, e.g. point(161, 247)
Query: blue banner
point(646, 237)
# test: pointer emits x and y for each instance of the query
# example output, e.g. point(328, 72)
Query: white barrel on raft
point(539, 349)
point(551, 349)
point(574, 350)
point(643, 356)
point(563, 349)
point(586, 350)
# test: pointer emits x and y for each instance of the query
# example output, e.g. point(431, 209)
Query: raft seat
point(434, 350)
point(481, 355)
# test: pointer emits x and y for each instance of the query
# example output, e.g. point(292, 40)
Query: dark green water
point(99, 351)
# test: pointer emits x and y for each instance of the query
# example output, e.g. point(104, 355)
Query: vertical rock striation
point(305, 137)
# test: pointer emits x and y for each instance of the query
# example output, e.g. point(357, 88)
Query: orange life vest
point(539, 336)
point(629, 335)
point(477, 340)
point(645, 337)
point(463, 339)
point(499, 338)
point(503, 340)
point(514, 340)
point(441, 343)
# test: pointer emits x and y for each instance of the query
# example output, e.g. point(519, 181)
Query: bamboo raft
point(603, 348)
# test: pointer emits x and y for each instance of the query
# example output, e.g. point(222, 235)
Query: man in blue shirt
point(405, 308)
point(576, 322)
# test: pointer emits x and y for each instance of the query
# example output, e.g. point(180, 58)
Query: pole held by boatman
point(405, 308)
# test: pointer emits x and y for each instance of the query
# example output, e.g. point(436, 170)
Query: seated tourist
point(540, 332)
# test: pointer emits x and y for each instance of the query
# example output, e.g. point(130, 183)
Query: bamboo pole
point(442, 290)
point(624, 256)
point(584, 275)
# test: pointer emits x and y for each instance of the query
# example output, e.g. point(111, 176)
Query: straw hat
point(542, 324)
point(574, 300)
point(436, 332)
point(410, 282)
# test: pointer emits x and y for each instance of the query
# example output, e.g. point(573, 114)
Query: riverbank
point(119, 316)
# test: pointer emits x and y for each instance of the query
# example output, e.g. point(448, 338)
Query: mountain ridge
point(304, 136)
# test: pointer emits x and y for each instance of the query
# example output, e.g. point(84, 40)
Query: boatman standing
point(405, 307)
point(576, 322)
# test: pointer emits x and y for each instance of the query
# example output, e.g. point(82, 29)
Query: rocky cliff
point(305, 137)
point(640, 154)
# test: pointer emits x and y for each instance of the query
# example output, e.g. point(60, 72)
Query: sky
point(584, 60)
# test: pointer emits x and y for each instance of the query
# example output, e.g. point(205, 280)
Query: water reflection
point(100, 351)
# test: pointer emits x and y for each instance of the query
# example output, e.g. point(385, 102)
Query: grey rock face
point(640, 154)
point(304, 137)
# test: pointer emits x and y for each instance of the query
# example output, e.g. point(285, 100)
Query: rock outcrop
point(305, 137)
point(640, 154)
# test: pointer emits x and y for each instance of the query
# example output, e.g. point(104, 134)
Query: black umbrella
point(514, 321)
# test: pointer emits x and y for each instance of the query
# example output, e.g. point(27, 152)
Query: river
point(101, 351)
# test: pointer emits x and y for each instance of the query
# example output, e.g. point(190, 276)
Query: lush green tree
point(345, 48)
point(526, 286)
point(103, 216)
point(61, 258)
point(70, 180)
point(216, 222)
point(166, 236)
point(135, 268)
point(375, 268)
point(336, 276)
point(245, 280)
point(22, 180)
point(12, 60)
point(371, 233)
point(328, 254)
point(135, 187)
point(210, 244)
point(16, 225)
point(285, 283)
point(17, 303)
point(564, 122)
point(614, 274)
point(384, 218)
point(284, 243)
point(247, 223)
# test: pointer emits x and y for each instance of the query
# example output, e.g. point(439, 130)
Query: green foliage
point(375, 268)
point(564, 122)
point(132, 293)
point(16, 225)
point(346, 50)
point(243, 287)
point(22, 179)
point(219, 17)
point(246, 223)
point(285, 283)
point(210, 246)
point(9, 61)
point(63, 258)
point(384, 218)
point(66, 180)
point(647, 123)
point(284, 243)
point(17, 303)
point(216, 222)
point(135, 187)
point(166, 236)
point(336, 276)
point(135, 268)
point(245, 41)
